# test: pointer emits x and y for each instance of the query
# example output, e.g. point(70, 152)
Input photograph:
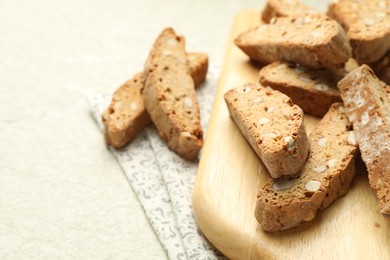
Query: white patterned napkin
point(163, 181)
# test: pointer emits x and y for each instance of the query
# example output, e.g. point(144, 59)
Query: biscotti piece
point(283, 8)
point(311, 40)
point(313, 90)
point(126, 116)
point(382, 68)
point(170, 97)
point(198, 63)
point(326, 175)
point(367, 23)
point(367, 104)
point(272, 125)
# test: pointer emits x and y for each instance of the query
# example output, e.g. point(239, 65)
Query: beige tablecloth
point(63, 195)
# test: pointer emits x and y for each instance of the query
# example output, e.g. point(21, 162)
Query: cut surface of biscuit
point(327, 174)
point(169, 95)
point(367, 23)
point(367, 104)
point(311, 40)
point(126, 116)
point(272, 125)
point(313, 90)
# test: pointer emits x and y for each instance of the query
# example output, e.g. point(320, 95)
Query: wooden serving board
point(230, 173)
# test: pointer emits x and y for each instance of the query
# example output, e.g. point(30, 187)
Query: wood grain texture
point(230, 173)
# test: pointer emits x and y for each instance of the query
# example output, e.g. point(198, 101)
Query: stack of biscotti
point(368, 32)
point(126, 116)
point(308, 57)
point(301, 182)
point(305, 50)
point(327, 175)
point(164, 93)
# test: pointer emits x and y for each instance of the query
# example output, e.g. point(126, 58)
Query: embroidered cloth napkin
point(163, 181)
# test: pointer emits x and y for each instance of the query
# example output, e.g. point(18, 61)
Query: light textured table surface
point(62, 194)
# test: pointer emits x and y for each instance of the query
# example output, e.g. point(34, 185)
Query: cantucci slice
point(169, 95)
point(126, 115)
point(313, 90)
point(367, 104)
point(367, 23)
point(272, 125)
point(326, 175)
point(311, 40)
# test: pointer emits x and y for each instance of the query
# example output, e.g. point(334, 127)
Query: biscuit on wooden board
point(311, 40)
point(367, 104)
point(367, 23)
point(326, 175)
point(313, 90)
point(272, 125)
